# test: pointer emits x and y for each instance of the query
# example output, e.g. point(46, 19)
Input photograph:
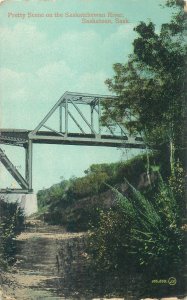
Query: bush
point(62, 203)
point(140, 236)
point(11, 224)
point(177, 185)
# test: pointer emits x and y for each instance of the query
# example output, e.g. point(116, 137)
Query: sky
point(43, 56)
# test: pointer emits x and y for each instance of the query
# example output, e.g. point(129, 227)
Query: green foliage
point(11, 224)
point(79, 217)
point(76, 202)
point(140, 234)
point(107, 243)
point(177, 185)
point(144, 232)
point(151, 85)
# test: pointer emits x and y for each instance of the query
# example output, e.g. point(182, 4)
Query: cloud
point(55, 74)
point(20, 43)
point(92, 83)
point(119, 43)
point(81, 50)
point(36, 70)
point(25, 47)
point(27, 97)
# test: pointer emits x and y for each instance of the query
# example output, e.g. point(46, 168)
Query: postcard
point(88, 98)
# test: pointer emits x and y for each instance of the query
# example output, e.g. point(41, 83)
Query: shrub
point(141, 236)
point(11, 224)
point(62, 203)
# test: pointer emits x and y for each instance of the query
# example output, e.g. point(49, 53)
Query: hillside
point(76, 202)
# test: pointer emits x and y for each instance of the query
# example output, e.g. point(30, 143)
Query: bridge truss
point(73, 120)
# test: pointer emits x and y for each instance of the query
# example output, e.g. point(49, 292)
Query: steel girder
point(89, 134)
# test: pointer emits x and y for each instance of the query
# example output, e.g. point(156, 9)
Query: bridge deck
point(21, 137)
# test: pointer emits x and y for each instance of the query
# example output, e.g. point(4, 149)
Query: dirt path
point(35, 274)
point(52, 265)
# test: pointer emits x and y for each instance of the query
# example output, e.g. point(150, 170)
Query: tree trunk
point(172, 157)
point(148, 166)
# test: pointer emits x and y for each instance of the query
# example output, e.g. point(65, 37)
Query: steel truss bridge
point(81, 110)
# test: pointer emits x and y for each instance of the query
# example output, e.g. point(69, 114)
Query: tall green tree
point(151, 85)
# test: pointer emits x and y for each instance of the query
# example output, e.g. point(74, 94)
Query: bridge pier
point(26, 163)
point(29, 164)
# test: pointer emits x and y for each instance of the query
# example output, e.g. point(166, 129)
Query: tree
point(151, 85)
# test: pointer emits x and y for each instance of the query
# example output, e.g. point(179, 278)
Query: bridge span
point(75, 126)
point(21, 137)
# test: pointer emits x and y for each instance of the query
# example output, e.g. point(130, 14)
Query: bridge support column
point(28, 164)
point(66, 118)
